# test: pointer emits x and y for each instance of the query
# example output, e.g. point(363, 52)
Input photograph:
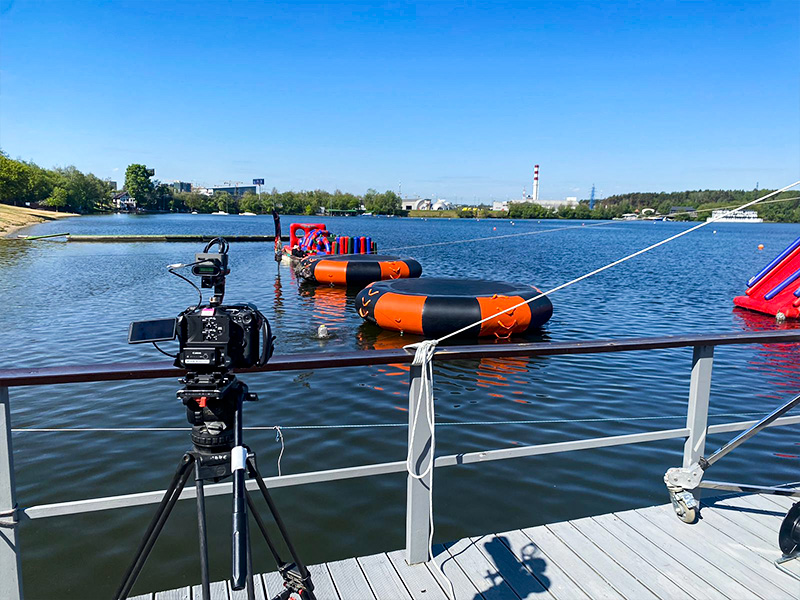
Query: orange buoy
point(356, 269)
point(761, 246)
point(437, 306)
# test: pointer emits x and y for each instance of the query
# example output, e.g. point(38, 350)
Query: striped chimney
point(535, 183)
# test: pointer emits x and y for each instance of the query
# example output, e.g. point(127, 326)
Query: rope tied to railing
point(423, 358)
point(9, 519)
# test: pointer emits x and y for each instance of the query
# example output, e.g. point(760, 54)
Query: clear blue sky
point(455, 100)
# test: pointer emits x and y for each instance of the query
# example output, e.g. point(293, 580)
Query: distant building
point(417, 204)
point(496, 205)
point(690, 210)
point(203, 190)
point(123, 201)
point(181, 186)
point(234, 190)
point(441, 205)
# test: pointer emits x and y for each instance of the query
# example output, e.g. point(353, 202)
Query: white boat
point(219, 212)
point(247, 214)
point(194, 212)
point(735, 216)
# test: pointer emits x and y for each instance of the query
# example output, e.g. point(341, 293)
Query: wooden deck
point(638, 554)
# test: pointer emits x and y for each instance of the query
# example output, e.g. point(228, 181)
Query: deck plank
point(462, 586)
point(638, 559)
point(349, 580)
point(713, 581)
point(323, 583)
point(418, 579)
point(481, 572)
point(725, 553)
point(745, 520)
point(515, 574)
point(548, 573)
point(217, 589)
point(782, 502)
point(273, 583)
point(595, 586)
point(619, 578)
point(149, 596)
point(184, 593)
point(382, 578)
point(258, 590)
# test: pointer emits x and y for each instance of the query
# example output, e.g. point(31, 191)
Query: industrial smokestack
point(535, 183)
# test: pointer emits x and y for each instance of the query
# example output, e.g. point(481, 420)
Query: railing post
point(697, 410)
point(418, 494)
point(10, 567)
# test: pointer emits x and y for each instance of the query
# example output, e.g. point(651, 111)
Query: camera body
point(220, 338)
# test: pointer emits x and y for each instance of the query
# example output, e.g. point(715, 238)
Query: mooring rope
point(613, 264)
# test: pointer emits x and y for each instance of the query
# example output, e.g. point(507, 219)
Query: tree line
point(61, 188)
point(67, 188)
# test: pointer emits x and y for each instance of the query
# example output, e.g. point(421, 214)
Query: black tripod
point(216, 455)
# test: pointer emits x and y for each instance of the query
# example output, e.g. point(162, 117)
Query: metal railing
point(418, 493)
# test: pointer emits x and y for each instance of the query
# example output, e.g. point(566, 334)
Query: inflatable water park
point(775, 289)
point(394, 296)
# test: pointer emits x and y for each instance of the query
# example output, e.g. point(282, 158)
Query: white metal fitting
point(685, 478)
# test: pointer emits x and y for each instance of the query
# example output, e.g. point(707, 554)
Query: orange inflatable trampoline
point(356, 269)
point(437, 306)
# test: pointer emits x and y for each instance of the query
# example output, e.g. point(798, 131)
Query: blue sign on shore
point(258, 182)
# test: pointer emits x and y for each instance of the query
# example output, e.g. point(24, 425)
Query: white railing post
point(697, 410)
point(10, 567)
point(418, 495)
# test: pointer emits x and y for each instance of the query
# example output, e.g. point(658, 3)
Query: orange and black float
point(437, 306)
point(356, 269)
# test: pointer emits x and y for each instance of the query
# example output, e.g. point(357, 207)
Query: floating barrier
point(437, 306)
point(775, 290)
point(356, 269)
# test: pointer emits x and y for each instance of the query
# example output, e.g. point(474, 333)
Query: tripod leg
point(256, 474)
point(263, 528)
point(308, 592)
point(201, 528)
point(156, 525)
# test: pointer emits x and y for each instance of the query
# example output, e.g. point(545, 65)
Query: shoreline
point(15, 218)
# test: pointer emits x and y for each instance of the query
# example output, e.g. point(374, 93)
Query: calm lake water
point(69, 303)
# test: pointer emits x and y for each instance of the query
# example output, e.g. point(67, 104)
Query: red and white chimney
point(535, 183)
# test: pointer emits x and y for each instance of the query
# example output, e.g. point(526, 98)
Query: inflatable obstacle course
point(356, 269)
point(437, 306)
point(775, 290)
point(313, 239)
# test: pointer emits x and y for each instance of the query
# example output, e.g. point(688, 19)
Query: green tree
point(139, 185)
point(58, 199)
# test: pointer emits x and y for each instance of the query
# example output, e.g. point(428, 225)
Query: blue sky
point(455, 100)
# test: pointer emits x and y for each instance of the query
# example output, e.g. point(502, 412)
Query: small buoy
point(715, 232)
point(322, 332)
point(494, 228)
point(761, 246)
point(779, 316)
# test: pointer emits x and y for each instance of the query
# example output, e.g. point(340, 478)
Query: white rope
point(423, 358)
point(616, 262)
point(497, 237)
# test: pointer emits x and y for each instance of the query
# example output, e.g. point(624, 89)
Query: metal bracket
point(784, 559)
point(683, 478)
point(9, 518)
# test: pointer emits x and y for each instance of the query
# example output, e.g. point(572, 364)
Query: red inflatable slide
point(775, 290)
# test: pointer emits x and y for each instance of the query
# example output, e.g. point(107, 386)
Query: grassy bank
point(13, 218)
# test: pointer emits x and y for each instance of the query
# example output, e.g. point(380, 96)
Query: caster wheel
point(685, 509)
